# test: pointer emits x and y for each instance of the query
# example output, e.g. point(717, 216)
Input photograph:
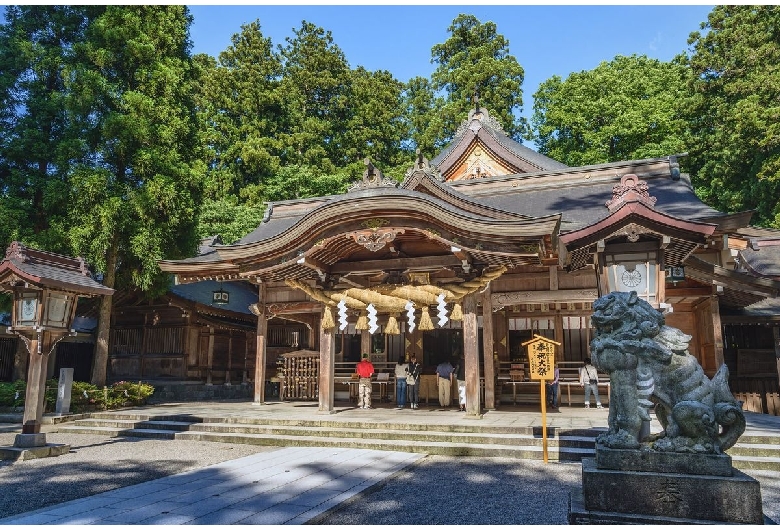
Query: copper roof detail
point(372, 178)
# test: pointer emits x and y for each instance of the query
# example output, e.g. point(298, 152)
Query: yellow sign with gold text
point(541, 358)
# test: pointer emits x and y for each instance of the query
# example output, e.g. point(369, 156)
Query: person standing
point(552, 389)
point(589, 379)
point(364, 370)
point(444, 382)
point(460, 377)
point(401, 371)
point(413, 381)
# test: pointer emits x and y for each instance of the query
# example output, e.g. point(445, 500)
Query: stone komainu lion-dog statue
point(649, 365)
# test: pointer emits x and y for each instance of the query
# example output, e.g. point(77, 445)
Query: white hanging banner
point(373, 326)
point(410, 315)
point(442, 308)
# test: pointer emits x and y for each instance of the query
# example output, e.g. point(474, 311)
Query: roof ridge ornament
point(372, 178)
point(630, 189)
point(422, 165)
point(16, 250)
point(478, 117)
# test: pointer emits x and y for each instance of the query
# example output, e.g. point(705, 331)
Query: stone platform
point(28, 453)
point(639, 487)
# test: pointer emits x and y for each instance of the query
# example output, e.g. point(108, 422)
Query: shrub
point(84, 396)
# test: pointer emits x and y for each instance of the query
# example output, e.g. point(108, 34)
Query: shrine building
point(478, 250)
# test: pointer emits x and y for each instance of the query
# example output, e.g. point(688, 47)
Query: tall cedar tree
point(476, 59)
point(735, 111)
point(315, 84)
point(625, 109)
point(243, 111)
point(135, 191)
point(36, 45)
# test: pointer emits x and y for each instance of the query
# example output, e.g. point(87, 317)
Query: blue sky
point(545, 39)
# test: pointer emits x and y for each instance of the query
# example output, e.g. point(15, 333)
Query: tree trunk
point(100, 363)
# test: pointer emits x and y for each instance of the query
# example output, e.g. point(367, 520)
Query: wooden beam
point(537, 297)
point(379, 265)
point(717, 332)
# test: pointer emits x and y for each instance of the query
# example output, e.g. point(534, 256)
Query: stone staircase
point(754, 452)
point(513, 442)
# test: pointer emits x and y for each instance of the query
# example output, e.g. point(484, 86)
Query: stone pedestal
point(633, 486)
point(25, 441)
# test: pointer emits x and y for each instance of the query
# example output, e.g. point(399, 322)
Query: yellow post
point(542, 386)
point(541, 361)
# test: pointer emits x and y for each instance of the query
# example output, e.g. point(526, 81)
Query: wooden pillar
point(776, 336)
point(244, 375)
point(501, 334)
point(229, 359)
point(260, 354)
point(717, 332)
point(487, 349)
point(210, 359)
point(471, 354)
point(21, 357)
point(365, 342)
point(327, 369)
point(36, 381)
point(558, 323)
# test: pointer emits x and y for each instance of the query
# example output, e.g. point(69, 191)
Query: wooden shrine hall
point(478, 250)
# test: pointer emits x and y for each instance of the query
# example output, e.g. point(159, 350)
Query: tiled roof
point(53, 270)
point(482, 122)
point(765, 261)
point(584, 204)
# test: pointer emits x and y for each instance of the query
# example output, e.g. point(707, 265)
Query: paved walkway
point(288, 486)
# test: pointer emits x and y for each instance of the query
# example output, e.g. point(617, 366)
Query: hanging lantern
point(457, 312)
point(426, 324)
point(327, 319)
point(392, 326)
point(362, 322)
point(220, 296)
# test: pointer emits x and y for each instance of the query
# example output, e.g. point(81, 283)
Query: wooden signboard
point(541, 361)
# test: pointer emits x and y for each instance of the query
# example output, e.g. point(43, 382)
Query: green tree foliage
point(242, 111)
point(35, 147)
point(375, 125)
point(735, 110)
point(316, 87)
point(135, 191)
point(420, 104)
point(625, 109)
point(476, 58)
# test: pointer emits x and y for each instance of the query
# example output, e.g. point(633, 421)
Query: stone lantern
point(46, 288)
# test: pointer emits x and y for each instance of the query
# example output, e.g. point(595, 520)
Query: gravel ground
point(490, 491)
point(97, 463)
point(436, 490)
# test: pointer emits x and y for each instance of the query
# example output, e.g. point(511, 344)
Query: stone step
point(362, 425)
point(529, 452)
point(127, 428)
point(755, 449)
point(753, 452)
point(134, 424)
point(112, 432)
point(407, 433)
point(765, 463)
